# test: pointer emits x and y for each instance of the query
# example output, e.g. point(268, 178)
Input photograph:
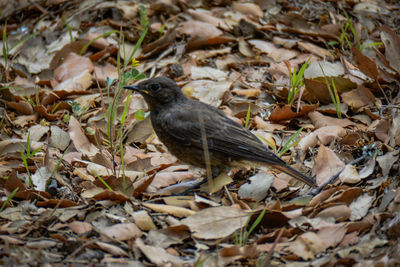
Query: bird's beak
point(136, 89)
point(132, 87)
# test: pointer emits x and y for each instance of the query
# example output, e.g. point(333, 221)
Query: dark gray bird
point(182, 124)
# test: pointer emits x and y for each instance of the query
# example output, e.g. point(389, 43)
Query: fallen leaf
point(121, 231)
point(327, 164)
point(216, 222)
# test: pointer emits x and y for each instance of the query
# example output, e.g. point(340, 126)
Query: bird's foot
point(190, 189)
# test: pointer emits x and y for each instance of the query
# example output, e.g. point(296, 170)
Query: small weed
point(124, 77)
point(102, 180)
point(9, 198)
point(296, 82)
point(245, 234)
point(293, 140)
point(26, 154)
point(71, 37)
point(333, 93)
point(7, 49)
point(248, 117)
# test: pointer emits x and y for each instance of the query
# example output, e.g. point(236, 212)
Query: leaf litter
point(85, 180)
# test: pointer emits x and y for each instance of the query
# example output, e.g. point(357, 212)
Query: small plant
point(296, 82)
point(333, 93)
point(248, 117)
point(7, 49)
point(28, 154)
point(293, 140)
point(345, 38)
point(9, 198)
point(245, 234)
point(71, 37)
point(124, 77)
point(102, 180)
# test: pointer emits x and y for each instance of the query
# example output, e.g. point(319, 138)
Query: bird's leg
point(190, 189)
point(215, 172)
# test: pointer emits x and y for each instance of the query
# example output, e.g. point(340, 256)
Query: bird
point(189, 128)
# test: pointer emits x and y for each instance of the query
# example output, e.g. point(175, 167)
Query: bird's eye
point(154, 87)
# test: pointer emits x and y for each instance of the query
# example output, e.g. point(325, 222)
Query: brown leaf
point(80, 227)
point(365, 63)
point(392, 45)
point(248, 9)
point(214, 223)
point(320, 120)
point(359, 97)
point(110, 195)
point(22, 107)
point(277, 54)
point(327, 164)
point(121, 231)
point(281, 113)
point(79, 139)
point(160, 256)
point(338, 212)
point(72, 66)
point(175, 211)
point(61, 203)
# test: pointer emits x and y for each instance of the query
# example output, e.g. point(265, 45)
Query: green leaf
point(140, 115)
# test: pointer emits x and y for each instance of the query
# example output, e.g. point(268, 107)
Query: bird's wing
point(222, 134)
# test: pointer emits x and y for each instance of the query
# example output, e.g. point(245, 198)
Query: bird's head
point(158, 91)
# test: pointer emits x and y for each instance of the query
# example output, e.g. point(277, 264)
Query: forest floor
point(84, 180)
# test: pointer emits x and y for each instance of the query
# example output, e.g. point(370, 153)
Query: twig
point(269, 255)
point(334, 177)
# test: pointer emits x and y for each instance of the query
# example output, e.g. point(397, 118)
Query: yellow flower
point(135, 62)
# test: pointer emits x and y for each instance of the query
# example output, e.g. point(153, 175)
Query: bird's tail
point(295, 174)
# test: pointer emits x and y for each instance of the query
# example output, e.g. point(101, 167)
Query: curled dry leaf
point(168, 209)
point(59, 138)
point(392, 45)
point(216, 222)
point(163, 179)
point(332, 235)
point(365, 63)
point(360, 206)
point(23, 107)
point(201, 33)
point(320, 120)
point(349, 175)
point(327, 164)
point(209, 92)
point(121, 231)
point(359, 97)
point(80, 227)
point(79, 139)
point(248, 9)
point(325, 135)
point(114, 250)
point(102, 72)
point(386, 161)
point(277, 54)
point(338, 212)
point(206, 16)
point(307, 245)
point(197, 73)
point(13, 145)
point(72, 66)
point(75, 84)
point(143, 220)
point(286, 112)
point(160, 256)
